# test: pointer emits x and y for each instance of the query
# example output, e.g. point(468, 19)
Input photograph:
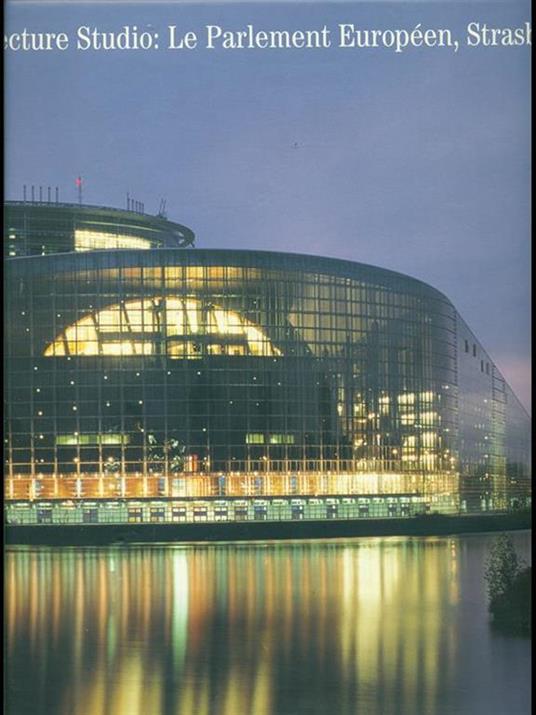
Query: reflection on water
point(370, 626)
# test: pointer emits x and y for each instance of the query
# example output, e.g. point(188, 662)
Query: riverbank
point(428, 525)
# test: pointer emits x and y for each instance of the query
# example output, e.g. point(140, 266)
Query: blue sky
point(418, 162)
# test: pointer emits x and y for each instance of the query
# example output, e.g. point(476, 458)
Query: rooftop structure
point(45, 227)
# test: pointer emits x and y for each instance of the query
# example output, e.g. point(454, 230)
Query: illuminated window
point(360, 409)
point(406, 399)
point(99, 241)
point(75, 440)
point(429, 440)
point(408, 448)
point(384, 405)
point(281, 439)
point(426, 397)
point(177, 327)
point(407, 419)
point(428, 418)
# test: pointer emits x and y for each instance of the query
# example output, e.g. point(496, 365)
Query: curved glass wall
point(235, 374)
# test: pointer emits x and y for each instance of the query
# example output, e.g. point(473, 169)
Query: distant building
point(149, 381)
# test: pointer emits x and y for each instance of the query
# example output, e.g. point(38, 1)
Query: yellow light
point(85, 240)
point(110, 331)
point(191, 312)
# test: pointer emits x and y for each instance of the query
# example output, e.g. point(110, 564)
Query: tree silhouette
point(509, 586)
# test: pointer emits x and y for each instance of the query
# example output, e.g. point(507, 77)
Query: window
point(152, 325)
point(281, 439)
point(75, 440)
point(85, 240)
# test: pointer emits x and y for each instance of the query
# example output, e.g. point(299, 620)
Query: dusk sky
point(418, 162)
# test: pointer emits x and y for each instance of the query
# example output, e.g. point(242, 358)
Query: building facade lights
point(213, 373)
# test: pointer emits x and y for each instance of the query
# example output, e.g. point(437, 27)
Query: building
point(151, 381)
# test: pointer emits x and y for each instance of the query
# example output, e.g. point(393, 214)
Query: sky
point(416, 161)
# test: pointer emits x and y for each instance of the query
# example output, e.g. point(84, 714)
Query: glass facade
point(214, 374)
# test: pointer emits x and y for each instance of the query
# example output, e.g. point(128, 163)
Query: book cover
point(267, 357)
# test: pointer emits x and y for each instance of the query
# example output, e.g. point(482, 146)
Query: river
point(368, 626)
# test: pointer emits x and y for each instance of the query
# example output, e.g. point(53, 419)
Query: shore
point(100, 534)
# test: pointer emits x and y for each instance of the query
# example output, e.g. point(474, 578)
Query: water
point(383, 626)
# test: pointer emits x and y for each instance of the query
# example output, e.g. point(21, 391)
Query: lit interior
point(177, 327)
point(85, 240)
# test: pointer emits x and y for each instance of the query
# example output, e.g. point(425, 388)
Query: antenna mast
point(162, 208)
point(78, 183)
